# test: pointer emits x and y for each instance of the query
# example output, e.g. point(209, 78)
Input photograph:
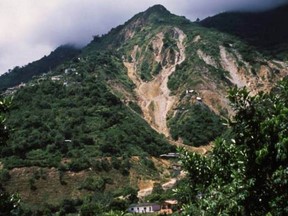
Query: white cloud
point(32, 28)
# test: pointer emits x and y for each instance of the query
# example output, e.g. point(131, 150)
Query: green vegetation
point(184, 74)
point(79, 117)
point(47, 63)
point(194, 72)
point(79, 138)
point(262, 30)
point(94, 184)
point(145, 71)
point(196, 125)
point(147, 64)
point(4, 175)
point(245, 174)
point(83, 120)
point(105, 187)
point(9, 203)
point(52, 120)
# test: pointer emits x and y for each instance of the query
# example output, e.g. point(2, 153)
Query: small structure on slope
point(170, 155)
point(144, 208)
point(169, 206)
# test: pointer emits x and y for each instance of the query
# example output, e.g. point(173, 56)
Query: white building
point(144, 208)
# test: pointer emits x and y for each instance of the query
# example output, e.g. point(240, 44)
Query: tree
point(247, 173)
point(9, 204)
point(4, 105)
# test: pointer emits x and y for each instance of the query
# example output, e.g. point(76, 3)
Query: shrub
point(94, 184)
point(198, 125)
point(4, 175)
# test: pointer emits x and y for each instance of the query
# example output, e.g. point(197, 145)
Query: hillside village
point(160, 116)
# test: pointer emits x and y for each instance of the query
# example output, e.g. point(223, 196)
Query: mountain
point(47, 63)
point(101, 121)
point(263, 30)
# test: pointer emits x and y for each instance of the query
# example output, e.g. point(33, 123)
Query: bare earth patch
point(154, 96)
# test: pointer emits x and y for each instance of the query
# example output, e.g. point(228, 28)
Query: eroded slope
point(154, 96)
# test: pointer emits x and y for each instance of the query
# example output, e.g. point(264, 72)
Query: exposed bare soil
point(154, 96)
point(48, 188)
point(229, 64)
point(206, 58)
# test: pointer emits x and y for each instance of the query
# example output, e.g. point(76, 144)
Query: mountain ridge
point(140, 90)
point(153, 46)
point(156, 14)
point(45, 64)
point(263, 30)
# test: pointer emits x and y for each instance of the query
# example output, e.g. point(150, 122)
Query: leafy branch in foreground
point(9, 204)
point(247, 173)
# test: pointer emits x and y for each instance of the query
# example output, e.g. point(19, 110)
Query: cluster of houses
point(12, 90)
point(167, 207)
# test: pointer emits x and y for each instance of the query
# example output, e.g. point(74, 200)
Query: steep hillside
point(154, 95)
point(157, 66)
point(156, 80)
point(76, 112)
point(39, 67)
point(177, 65)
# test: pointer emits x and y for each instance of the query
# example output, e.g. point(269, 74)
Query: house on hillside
point(56, 78)
point(169, 206)
point(14, 89)
point(170, 155)
point(190, 91)
point(144, 208)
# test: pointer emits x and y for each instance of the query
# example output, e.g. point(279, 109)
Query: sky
point(30, 29)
